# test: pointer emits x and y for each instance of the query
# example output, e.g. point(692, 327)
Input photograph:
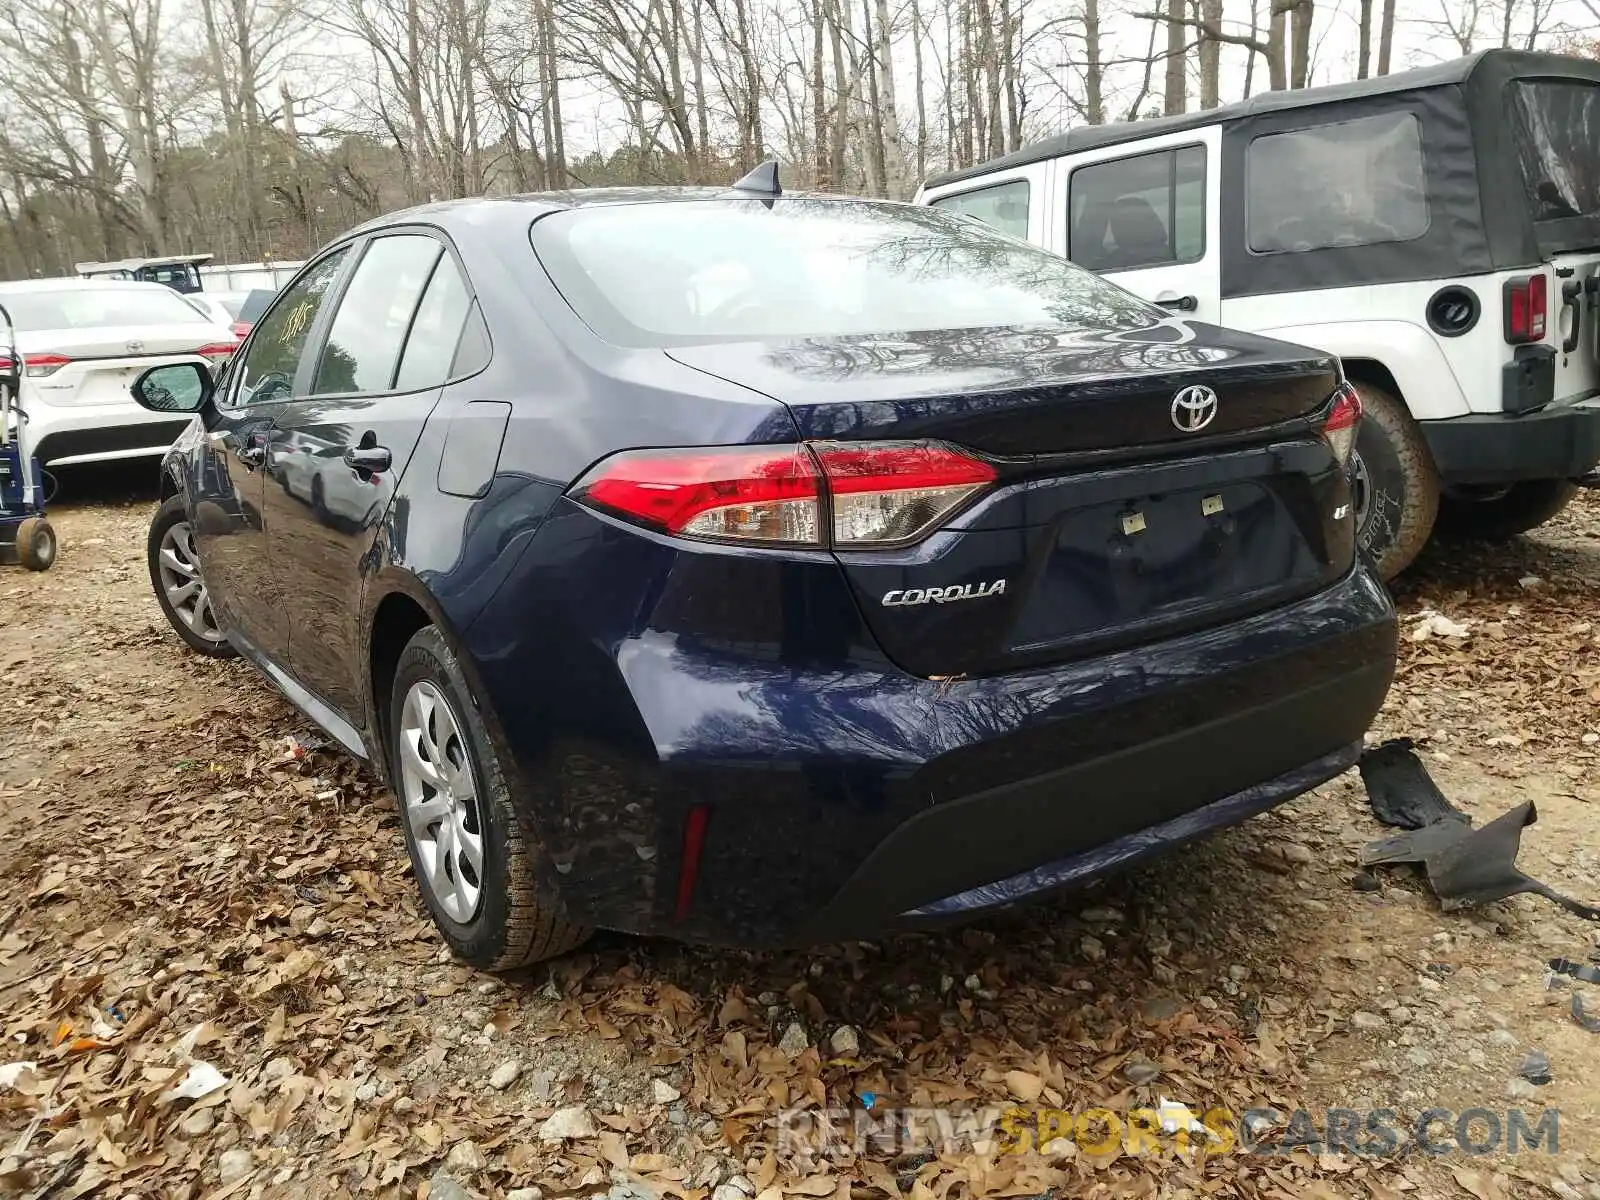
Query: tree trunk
point(894, 151)
point(841, 95)
point(1364, 40)
point(1250, 59)
point(1386, 37)
point(1177, 88)
point(1210, 55)
point(1094, 101)
point(819, 109)
point(1300, 59)
point(1277, 37)
point(922, 104)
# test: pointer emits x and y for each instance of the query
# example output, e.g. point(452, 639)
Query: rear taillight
point(241, 329)
point(218, 353)
point(879, 493)
point(769, 495)
point(1527, 305)
point(1343, 419)
point(37, 366)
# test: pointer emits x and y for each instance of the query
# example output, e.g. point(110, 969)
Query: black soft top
point(1483, 73)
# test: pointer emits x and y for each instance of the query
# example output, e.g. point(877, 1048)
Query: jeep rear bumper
point(1559, 441)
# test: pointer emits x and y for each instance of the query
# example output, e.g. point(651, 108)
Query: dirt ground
point(212, 953)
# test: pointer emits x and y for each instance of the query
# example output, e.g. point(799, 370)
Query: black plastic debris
point(1400, 790)
point(1535, 1067)
point(1365, 881)
point(1582, 972)
point(1464, 866)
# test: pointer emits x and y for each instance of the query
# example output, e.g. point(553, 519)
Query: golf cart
point(181, 272)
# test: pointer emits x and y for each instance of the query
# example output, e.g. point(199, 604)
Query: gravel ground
point(212, 955)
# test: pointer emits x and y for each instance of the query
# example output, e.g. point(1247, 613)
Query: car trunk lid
point(1127, 507)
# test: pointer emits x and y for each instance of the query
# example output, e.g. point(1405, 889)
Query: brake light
point(1527, 304)
point(1343, 419)
point(241, 329)
point(880, 493)
point(769, 494)
point(37, 366)
point(218, 354)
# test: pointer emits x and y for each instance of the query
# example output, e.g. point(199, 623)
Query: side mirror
point(177, 388)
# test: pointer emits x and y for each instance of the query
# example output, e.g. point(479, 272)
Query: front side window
point(1004, 205)
point(1555, 125)
point(697, 271)
point(1145, 211)
point(267, 370)
point(1355, 183)
point(374, 314)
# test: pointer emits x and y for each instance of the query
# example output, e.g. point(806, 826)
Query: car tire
point(452, 794)
point(170, 556)
point(1397, 486)
point(36, 544)
point(1504, 514)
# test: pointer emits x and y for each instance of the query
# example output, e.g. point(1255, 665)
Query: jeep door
point(1146, 216)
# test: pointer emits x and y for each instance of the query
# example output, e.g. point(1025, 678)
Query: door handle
point(368, 458)
point(252, 455)
point(1180, 303)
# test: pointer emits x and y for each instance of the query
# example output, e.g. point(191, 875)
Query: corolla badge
point(944, 595)
point(1193, 408)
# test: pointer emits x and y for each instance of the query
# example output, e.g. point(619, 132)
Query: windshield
point(90, 308)
point(695, 271)
point(1557, 134)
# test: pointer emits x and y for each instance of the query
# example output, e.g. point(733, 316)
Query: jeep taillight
point(1527, 305)
point(878, 493)
point(1342, 422)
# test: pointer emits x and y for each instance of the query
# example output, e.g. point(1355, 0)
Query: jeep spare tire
point(1396, 486)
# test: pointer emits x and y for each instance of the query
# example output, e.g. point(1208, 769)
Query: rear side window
point(1556, 127)
point(1356, 183)
point(1004, 206)
point(431, 345)
point(374, 314)
point(1145, 211)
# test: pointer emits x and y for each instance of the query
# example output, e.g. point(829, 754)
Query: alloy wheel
point(440, 795)
point(183, 583)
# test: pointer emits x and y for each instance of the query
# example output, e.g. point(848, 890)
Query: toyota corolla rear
point(1003, 579)
point(83, 342)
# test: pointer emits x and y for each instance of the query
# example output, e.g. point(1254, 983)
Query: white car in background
point(83, 342)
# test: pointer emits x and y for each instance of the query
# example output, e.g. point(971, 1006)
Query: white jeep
point(1438, 230)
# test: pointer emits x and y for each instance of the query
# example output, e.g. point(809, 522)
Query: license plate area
point(1148, 559)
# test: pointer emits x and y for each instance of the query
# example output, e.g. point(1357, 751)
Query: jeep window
point(1356, 183)
point(1003, 205)
point(1146, 211)
point(1556, 124)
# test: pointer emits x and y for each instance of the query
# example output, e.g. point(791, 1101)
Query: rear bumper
point(846, 802)
point(1559, 441)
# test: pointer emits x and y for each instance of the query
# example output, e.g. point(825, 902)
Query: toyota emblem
point(1193, 408)
point(136, 347)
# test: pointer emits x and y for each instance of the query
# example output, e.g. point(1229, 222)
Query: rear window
point(255, 304)
point(91, 308)
point(1004, 205)
point(1355, 183)
point(679, 273)
point(1556, 126)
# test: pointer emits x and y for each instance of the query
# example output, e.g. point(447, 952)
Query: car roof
point(536, 204)
point(1456, 71)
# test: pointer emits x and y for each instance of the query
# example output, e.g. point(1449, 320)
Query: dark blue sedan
point(764, 569)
